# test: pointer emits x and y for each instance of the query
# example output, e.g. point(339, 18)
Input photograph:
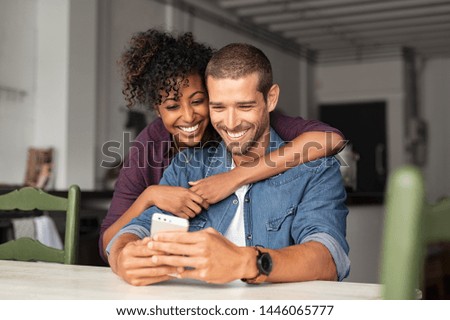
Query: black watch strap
point(264, 266)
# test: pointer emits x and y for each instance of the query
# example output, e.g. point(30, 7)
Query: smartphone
point(164, 222)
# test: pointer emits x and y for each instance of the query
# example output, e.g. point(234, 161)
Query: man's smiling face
point(239, 113)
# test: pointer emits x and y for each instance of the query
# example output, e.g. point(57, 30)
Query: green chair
point(26, 249)
point(410, 224)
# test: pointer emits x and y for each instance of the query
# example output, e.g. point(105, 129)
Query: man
point(290, 227)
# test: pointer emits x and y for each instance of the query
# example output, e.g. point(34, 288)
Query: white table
point(28, 280)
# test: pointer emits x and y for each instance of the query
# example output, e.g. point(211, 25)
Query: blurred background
point(377, 70)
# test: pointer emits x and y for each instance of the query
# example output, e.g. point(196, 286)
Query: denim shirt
point(305, 203)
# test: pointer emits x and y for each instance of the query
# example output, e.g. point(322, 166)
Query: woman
point(166, 73)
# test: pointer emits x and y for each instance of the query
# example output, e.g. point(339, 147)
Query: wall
point(82, 94)
point(50, 53)
point(364, 235)
point(435, 100)
point(66, 91)
point(17, 71)
point(50, 110)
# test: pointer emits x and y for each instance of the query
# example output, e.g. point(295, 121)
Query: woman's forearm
point(143, 202)
point(306, 147)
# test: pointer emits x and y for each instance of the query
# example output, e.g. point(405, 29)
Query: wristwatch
point(263, 264)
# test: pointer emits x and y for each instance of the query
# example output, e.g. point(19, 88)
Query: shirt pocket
point(198, 223)
point(301, 171)
point(279, 229)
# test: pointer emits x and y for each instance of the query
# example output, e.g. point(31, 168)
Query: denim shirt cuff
point(339, 256)
point(137, 230)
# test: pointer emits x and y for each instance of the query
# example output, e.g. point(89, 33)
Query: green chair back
point(26, 249)
point(410, 224)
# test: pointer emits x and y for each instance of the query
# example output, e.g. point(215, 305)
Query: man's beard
point(241, 150)
point(244, 149)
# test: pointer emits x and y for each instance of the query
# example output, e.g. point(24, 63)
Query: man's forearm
point(303, 262)
point(223, 261)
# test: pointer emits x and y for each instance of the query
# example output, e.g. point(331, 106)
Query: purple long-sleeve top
point(150, 155)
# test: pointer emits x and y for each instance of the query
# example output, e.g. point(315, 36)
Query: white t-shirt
point(236, 230)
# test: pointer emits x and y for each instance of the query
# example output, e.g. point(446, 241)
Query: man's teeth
point(236, 134)
point(190, 129)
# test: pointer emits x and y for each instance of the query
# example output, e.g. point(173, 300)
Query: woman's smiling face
point(186, 115)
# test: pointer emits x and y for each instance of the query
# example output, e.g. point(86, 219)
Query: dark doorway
point(364, 125)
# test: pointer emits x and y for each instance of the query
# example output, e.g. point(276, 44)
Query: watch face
point(265, 263)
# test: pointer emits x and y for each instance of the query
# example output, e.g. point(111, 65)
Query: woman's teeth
point(236, 135)
point(190, 129)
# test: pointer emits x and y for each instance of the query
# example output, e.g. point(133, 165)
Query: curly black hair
point(158, 61)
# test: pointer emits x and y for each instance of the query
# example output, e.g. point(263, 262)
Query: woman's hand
point(217, 187)
point(179, 201)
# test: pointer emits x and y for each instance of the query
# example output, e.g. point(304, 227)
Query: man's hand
point(217, 187)
point(214, 258)
point(131, 260)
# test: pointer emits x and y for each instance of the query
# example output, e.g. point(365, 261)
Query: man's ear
point(272, 97)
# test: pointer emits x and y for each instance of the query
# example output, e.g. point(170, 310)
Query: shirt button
point(235, 201)
point(247, 199)
point(249, 237)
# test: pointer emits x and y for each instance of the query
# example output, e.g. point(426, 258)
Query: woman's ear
point(272, 97)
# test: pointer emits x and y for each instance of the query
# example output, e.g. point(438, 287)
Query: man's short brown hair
point(238, 60)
